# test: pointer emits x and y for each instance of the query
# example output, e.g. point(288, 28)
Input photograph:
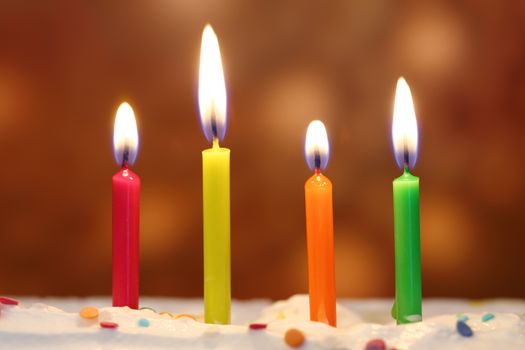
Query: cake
point(177, 324)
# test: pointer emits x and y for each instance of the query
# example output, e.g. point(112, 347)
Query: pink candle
point(126, 211)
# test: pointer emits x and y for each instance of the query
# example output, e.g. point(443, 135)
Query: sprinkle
point(294, 338)
point(476, 302)
point(375, 344)
point(184, 315)
point(280, 315)
point(464, 329)
point(256, 326)
point(89, 312)
point(487, 317)
point(148, 308)
point(8, 301)
point(143, 322)
point(108, 324)
point(462, 317)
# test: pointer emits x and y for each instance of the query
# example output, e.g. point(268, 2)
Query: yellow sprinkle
point(280, 315)
point(89, 312)
point(166, 313)
point(184, 315)
point(476, 302)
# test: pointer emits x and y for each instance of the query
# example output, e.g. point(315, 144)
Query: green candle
point(407, 252)
point(215, 183)
point(407, 306)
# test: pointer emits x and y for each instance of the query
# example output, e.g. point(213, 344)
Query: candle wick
point(406, 154)
point(317, 158)
point(406, 159)
point(125, 157)
point(213, 121)
point(216, 143)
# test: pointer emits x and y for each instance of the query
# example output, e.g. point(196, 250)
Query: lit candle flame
point(404, 127)
point(316, 148)
point(125, 136)
point(212, 88)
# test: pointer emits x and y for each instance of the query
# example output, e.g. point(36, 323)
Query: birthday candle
point(407, 307)
point(126, 211)
point(215, 182)
point(319, 227)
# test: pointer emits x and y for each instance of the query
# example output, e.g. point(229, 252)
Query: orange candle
point(319, 228)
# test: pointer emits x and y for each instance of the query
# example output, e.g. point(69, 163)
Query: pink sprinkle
point(258, 325)
point(375, 344)
point(8, 301)
point(108, 324)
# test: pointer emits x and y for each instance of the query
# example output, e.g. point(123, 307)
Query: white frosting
point(45, 327)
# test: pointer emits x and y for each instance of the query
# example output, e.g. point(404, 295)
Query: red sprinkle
point(8, 301)
point(258, 325)
point(375, 344)
point(108, 324)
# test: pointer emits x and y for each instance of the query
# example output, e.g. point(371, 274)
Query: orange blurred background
point(65, 66)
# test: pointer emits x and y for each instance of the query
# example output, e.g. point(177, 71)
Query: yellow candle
point(215, 183)
point(216, 213)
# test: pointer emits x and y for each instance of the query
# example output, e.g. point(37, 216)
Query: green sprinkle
point(487, 317)
point(143, 322)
